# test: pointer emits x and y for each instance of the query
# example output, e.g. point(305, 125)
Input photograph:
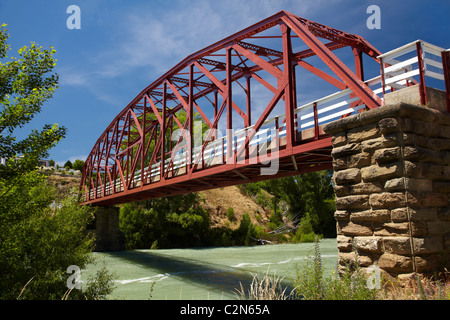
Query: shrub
point(39, 240)
point(311, 284)
point(305, 232)
point(230, 214)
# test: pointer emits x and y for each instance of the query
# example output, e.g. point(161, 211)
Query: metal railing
point(412, 64)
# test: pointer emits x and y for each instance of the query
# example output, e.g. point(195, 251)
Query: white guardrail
point(403, 66)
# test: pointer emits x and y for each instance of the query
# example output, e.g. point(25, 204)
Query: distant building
point(45, 163)
point(42, 162)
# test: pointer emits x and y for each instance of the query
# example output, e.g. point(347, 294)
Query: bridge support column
point(392, 183)
point(107, 234)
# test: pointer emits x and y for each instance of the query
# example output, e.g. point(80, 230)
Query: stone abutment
point(392, 183)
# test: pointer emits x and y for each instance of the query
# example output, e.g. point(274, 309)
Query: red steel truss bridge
point(243, 110)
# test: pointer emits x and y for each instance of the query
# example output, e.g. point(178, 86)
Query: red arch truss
point(232, 87)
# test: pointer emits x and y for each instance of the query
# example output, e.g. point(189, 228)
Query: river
point(203, 273)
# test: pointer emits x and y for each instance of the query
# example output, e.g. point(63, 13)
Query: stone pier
point(106, 230)
point(392, 183)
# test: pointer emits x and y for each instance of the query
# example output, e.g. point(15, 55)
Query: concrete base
point(411, 95)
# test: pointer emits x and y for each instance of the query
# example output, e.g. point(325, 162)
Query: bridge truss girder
point(202, 87)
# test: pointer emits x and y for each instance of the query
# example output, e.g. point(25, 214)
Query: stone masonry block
point(363, 133)
point(428, 264)
point(353, 229)
point(371, 244)
point(387, 200)
point(352, 202)
point(441, 186)
point(347, 176)
point(392, 229)
point(421, 154)
point(395, 263)
point(358, 160)
point(437, 144)
point(341, 215)
point(339, 139)
point(366, 188)
point(371, 215)
point(444, 132)
point(411, 184)
point(397, 245)
point(347, 149)
point(344, 243)
point(387, 155)
point(357, 189)
point(387, 141)
point(399, 214)
point(413, 169)
point(434, 200)
point(428, 245)
point(438, 227)
point(376, 172)
point(388, 125)
point(424, 213)
point(443, 214)
point(423, 128)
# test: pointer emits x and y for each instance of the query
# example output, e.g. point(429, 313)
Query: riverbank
point(203, 273)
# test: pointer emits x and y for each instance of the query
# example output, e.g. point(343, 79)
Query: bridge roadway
point(125, 164)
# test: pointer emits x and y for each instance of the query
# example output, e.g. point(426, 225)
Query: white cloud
point(149, 39)
point(153, 39)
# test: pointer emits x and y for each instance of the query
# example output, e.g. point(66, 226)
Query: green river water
point(203, 273)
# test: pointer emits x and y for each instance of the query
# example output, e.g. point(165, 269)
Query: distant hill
point(215, 201)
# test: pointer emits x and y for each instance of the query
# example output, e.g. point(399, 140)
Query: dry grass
point(417, 288)
point(266, 287)
point(217, 202)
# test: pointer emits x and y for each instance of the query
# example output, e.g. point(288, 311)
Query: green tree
point(78, 165)
point(25, 84)
point(177, 221)
point(310, 193)
point(68, 164)
point(41, 234)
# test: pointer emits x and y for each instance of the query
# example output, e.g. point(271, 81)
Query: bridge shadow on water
point(210, 276)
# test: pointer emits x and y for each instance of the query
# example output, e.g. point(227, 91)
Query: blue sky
point(123, 46)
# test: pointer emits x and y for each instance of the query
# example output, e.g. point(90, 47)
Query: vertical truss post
point(229, 107)
point(127, 165)
point(359, 71)
point(289, 95)
point(359, 67)
point(316, 122)
point(105, 145)
point(116, 169)
point(423, 96)
point(215, 104)
point(191, 116)
point(248, 121)
point(383, 78)
point(163, 132)
point(446, 67)
point(144, 117)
